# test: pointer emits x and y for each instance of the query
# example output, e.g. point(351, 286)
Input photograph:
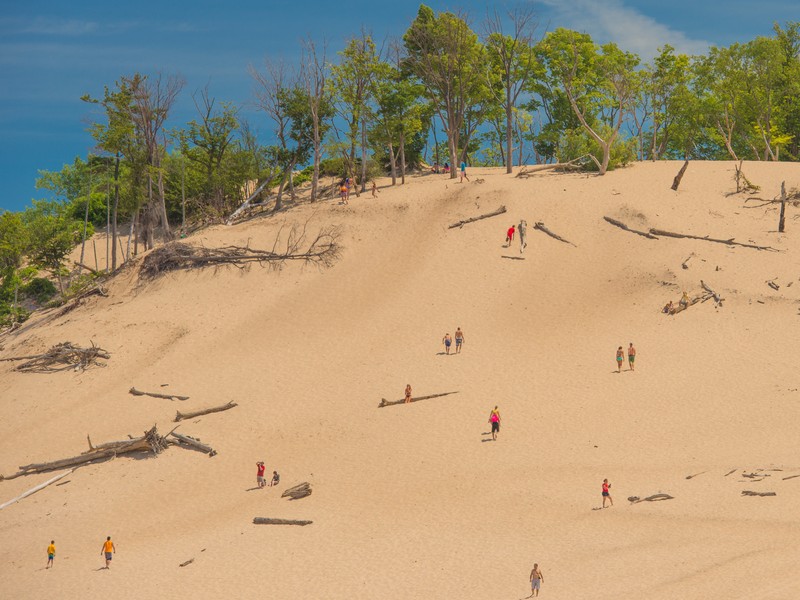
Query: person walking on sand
point(109, 550)
point(522, 228)
point(408, 394)
point(51, 554)
point(260, 474)
point(509, 236)
point(606, 493)
point(348, 183)
point(374, 189)
point(536, 580)
point(343, 194)
point(631, 355)
point(463, 172)
point(447, 341)
point(494, 419)
point(620, 357)
point(459, 339)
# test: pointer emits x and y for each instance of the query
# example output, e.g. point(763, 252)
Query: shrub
point(40, 290)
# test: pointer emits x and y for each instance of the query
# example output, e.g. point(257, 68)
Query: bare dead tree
point(314, 79)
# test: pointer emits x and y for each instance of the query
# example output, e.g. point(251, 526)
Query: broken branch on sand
point(66, 355)
point(750, 493)
point(188, 562)
point(266, 521)
point(543, 228)
point(499, 211)
point(790, 477)
point(136, 392)
point(714, 294)
point(33, 490)
point(729, 242)
point(192, 443)
point(323, 251)
point(298, 491)
point(527, 171)
point(385, 402)
point(622, 225)
point(677, 181)
point(179, 416)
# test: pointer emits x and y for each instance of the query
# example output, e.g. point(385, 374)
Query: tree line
point(489, 93)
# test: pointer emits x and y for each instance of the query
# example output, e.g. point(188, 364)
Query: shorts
point(108, 555)
point(631, 358)
point(260, 479)
point(458, 341)
point(536, 584)
point(495, 426)
point(447, 343)
point(605, 494)
point(51, 556)
point(619, 359)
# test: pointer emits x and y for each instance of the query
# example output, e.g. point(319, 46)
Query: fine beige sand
point(412, 501)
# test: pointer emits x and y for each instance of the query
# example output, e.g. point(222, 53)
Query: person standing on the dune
point(260, 474)
point(109, 550)
point(348, 184)
point(606, 493)
point(494, 419)
point(459, 339)
point(447, 341)
point(631, 355)
point(620, 357)
point(536, 580)
point(463, 172)
point(408, 394)
point(374, 189)
point(51, 554)
point(522, 228)
point(510, 236)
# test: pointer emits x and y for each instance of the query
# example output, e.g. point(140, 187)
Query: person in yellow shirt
point(109, 550)
point(51, 554)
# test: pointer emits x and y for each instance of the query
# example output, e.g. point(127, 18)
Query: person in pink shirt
point(494, 419)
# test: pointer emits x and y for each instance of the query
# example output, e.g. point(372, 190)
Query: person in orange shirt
point(51, 553)
point(109, 550)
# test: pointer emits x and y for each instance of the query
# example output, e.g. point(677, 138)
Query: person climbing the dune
point(459, 339)
point(620, 358)
point(631, 356)
point(510, 236)
point(522, 228)
point(51, 554)
point(684, 301)
point(408, 394)
point(447, 341)
point(260, 468)
point(494, 419)
point(109, 550)
point(463, 172)
point(536, 580)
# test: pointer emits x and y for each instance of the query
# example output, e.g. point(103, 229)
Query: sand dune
point(412, 501)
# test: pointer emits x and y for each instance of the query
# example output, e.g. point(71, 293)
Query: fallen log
point(463, 222)
point(622, 225)
point(543, 228)
point(33, 490)
point(527, 171)
point(179, 416)
point(729, 242)
point(87, 267)
point(299, 491)
point(677, 181)
point(385, 402)
point(266, 521)
point(193, 443)
point(188, 562)
point(773, 285)
point(751, 493)
point(714, 294)
point(136, 392)
point(782, 218)
point(790, 477)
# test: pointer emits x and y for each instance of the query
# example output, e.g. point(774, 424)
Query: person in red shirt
point(510, 236)
point(606, 494)
point(260, 475)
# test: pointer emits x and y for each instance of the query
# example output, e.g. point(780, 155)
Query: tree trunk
point(781, 220)
point(402, 159)
point(677, 181)
point(363, 155)
point(86, 214)
point(509, 133)
point(393, 164)
point(163, 205)
point(114, 216)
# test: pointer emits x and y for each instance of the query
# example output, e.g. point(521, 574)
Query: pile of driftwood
point(150, 442)
point(62, 357)
point(572, 165)
point(298, 491)
point(322, 251)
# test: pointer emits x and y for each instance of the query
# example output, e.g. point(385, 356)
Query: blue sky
point(51, 53)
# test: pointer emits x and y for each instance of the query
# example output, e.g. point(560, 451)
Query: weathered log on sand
point(790, 477)
point(526, 171)
point(385, 402)
point(499, 211)
point(188, 562)
point(266, 521)
point(714, 294)
point(179, 416)
point(729, 242)
point(543, 228)
point(750, 493)
point(193, 443)
point(622, 225)
point(136, 392)
point(299, 491)
point(33, 490)
point(677, 181)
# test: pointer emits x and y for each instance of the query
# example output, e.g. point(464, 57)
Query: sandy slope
point(412, 501)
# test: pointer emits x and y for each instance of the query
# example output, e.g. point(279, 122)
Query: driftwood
point(323, 251)
point(653, 498)
point(266, 521)
point(790, 477)
point(179, 416)
point(622, 225)
point(61, 357)
point(499, 211)
point(299, 491)
point(543, 228)
point(33, 490)
point(151, 441)
point(773, 285)
point(136, 392)
point(695, 475)
point(87, 267)
point(188, 562)
point(385, 402)
point(730, 472)
point(782, 219)
point(527, 171)
point(685, 264)
point(729, 242)
point(246, 204)
point(708, 289)
point(677, 181)
point(751, 493)
point(193, 443)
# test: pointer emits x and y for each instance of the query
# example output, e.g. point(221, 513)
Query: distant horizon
point(49, 58)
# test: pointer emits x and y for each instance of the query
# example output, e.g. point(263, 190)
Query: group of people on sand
point(621, 357)
point(347, 184)
point(683, 303)
point(261, 481)
point(108, 549)
point(522, 231)
point(446, 169)
point(448, 341)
